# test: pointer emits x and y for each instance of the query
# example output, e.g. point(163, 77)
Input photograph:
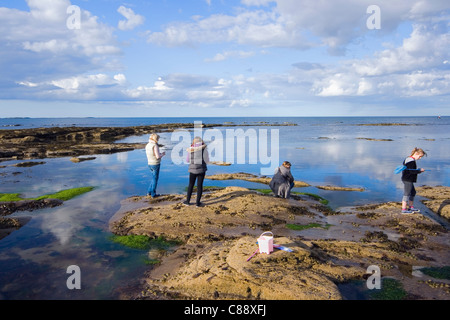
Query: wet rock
point(218, 239)
point(72, 141)
point(249, 177)
point(439, 199)
point(28, 164)
point(80, 159)
point(7, 208)
point(9, 225)
point(374, 139)
point(221, 270)
point(336, 188)
point(51, 142)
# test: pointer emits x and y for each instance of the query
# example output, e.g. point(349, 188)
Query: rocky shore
point(329, 248)
point(250, 177)
point(438, 199)
point(55, 142)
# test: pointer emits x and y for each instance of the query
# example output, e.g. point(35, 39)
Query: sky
point(224, 58)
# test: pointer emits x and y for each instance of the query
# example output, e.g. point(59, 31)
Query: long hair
point(418, 150)
point(197, 140)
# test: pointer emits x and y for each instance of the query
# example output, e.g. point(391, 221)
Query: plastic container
point(265, 242)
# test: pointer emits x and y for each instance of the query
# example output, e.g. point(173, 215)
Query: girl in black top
point(409, 177)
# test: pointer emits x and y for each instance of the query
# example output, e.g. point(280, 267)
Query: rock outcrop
point(54, 142)
point(439, 199)
point(328, 248)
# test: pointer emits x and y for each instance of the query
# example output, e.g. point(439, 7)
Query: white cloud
point(300, 24)
point(425, 48)
point(339, 22)
point(179, 87)
point(43, 48)
point(159, 91)
point(53, 62)
point(231, 54)
point(240, 103)
point(120, 78)
point(49, 10)
point(83, 87)
point(205, 94)
point(27, 84)
point(413, 69)
point(259, 28)
point(133, 19)
point(53, 46)
point(256, 2)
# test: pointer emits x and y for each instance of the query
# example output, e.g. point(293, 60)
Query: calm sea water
point(323, 151)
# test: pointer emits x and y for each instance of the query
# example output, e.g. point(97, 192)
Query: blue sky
point(224, 58)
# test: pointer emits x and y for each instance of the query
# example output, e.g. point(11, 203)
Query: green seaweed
point(307, 226)
point(391, 289)
point(8, 197)
point(152, 262)
point(263, 191)
point(63, 195)
point(437, 272)
point(313, 195)
point(66, 194)
point(143, 242)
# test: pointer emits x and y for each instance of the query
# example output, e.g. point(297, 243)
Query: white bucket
point(265, 242)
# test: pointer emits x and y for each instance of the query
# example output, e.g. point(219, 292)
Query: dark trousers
point(192, 177)
point(409, 192)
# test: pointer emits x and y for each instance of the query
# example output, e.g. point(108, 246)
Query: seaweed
point(307, 226)
point(437, 272)
point(143, 242)
point(63, 195)
point(391, 289)
point(314, 196)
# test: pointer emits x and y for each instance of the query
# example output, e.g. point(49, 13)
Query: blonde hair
point(154, 137)
point(418, 150)
point(197, 140)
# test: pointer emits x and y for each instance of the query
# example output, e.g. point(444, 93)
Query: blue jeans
point(154, 176)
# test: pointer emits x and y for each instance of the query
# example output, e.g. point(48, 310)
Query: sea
point(357, 152)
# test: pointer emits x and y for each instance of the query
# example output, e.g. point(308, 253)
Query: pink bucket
point(265, 242)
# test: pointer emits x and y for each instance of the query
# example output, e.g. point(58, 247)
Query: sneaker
point(155, 196)
point(414, 209)
point(200, 204)
point(186, 203)
point(406, 211)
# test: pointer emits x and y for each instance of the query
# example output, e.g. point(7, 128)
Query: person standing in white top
point(154, 163)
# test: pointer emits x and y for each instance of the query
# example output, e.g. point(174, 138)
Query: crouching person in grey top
point(282, 182)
